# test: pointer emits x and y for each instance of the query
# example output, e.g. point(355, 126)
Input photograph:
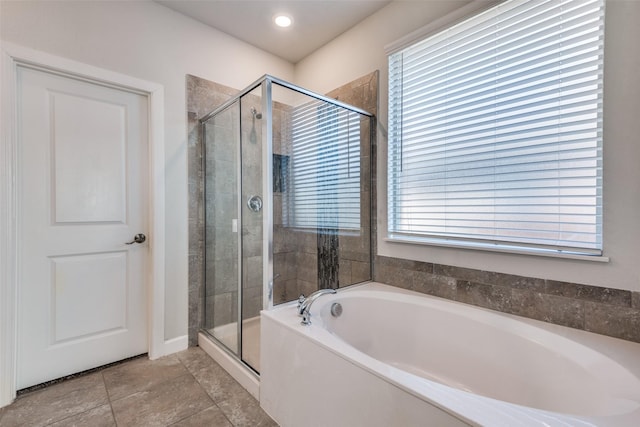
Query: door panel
point(89, 141)
point(104, 295)
point(83, 192)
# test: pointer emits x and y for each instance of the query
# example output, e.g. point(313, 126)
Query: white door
point(83, 161)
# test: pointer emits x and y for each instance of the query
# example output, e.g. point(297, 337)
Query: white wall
point(361, 50)
point(148, 41)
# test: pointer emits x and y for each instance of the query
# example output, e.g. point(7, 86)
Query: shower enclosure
point(287, 177)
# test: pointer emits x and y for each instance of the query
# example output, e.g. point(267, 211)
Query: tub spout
point(305, 307)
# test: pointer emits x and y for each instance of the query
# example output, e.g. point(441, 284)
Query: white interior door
point(83, 171)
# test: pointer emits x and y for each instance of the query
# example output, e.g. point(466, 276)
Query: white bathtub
point(399, 358)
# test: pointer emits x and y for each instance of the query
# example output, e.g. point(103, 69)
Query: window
point(495, 130)
point(325, 167)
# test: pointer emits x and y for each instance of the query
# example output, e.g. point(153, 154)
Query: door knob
point(138, 238)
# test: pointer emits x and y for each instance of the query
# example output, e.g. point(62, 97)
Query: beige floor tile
point(244, 411)
point(140, 374)
point(212, 377)
point(194, 358)
point(210, 417)
point(236, 403)
point(57, 402)
point(178, 389)
point(102, 416)
point(163, 404)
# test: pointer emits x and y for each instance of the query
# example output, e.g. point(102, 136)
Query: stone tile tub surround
point(605, 311)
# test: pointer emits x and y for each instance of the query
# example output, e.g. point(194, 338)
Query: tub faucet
point(305, 306)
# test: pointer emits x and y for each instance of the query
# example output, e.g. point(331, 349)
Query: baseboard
point(175, 345)
point(7, 394)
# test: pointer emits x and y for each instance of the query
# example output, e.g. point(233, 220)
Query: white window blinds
point(325, 167)
point(495, 129)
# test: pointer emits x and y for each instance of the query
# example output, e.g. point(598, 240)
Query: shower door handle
point(255, 203)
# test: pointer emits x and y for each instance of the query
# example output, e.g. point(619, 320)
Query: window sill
point(495, 248)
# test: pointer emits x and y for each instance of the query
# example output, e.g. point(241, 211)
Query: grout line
point(225, 399)
point(73, 415)
point(150, 387)
point(113, 413)
point(224, 415)
point(214, 403)
point(87, 410)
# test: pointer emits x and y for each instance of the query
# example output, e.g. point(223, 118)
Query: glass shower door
point(222, 222)
point(234, 215)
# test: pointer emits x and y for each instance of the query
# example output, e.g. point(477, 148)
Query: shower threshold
point(227, 336)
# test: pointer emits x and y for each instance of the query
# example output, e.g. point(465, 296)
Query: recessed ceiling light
point(282, 20)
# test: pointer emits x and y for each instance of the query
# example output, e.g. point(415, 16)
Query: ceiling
point(315, 22)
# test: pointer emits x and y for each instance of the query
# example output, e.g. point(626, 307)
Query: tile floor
point(185, 389)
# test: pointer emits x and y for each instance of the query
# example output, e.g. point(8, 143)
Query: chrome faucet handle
point(301, 300)
point(306, 318)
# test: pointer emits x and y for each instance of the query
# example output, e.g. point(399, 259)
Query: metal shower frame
point(266, 83)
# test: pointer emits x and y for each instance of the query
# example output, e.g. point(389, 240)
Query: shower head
point(255, 113)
